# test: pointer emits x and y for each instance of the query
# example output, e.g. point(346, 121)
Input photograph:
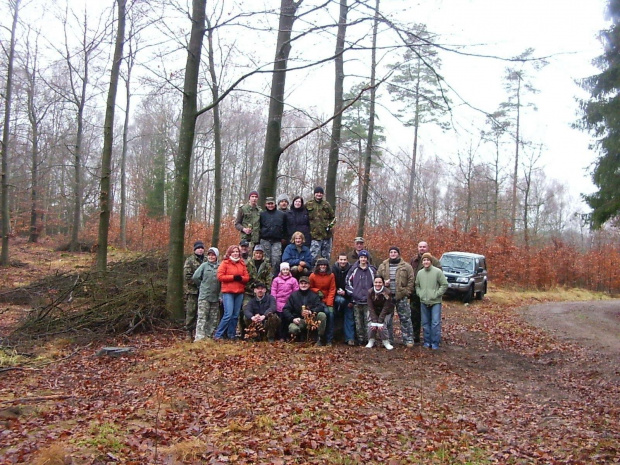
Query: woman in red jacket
point(233, 275)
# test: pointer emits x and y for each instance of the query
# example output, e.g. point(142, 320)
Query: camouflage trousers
point(191, 310)
point(321, 249)
point(295, 329)
point(404, 316)
point(360, 313)
point(273, 251)
point(208, 318)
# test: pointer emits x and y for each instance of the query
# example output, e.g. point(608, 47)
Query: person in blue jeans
point(430, 285)
point(343, 307)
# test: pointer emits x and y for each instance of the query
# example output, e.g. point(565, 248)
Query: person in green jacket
point(430, 285)
point(205, 278)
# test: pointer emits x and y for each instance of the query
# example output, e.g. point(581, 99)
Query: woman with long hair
point(233, 275)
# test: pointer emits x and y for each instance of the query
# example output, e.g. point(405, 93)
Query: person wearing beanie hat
point(399, 280)
point(190, 288)
point(323, 282)
point(322, 220)
point(247, 221)
point(282, 287)
point(282, 202)
point(430, 285)
point(416, 264)
point(205, 278)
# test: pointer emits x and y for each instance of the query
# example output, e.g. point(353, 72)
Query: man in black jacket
point(300, 306)
point(273, 231)
point(261, 310)
point(343, 308)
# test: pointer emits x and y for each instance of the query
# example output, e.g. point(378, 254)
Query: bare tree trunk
point(414, 157)
point(217, 139)
point(334, 149)
point(108, 142)
point(8, 96)
point(273, 150)
point(174, 297)
point(34, 158)
point(371, 127)
point(123, 180)
point(513, 217)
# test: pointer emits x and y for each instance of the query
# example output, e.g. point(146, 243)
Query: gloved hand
point(237, 277)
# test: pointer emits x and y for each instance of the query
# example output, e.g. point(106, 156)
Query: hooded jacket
point(430, 285)
point(359, 280)
point(226, 275)
point(325, 283)
point(206, 278)
point(282, 287)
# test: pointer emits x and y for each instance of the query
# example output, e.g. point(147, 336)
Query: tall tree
point(334, 149)
point(416, 85)
point(174, 296)
point(371, 127)
point(273, 149)
point(8, 98)
point(108, 142)
point(601, 116)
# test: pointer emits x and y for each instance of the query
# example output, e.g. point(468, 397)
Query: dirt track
point(594, 324)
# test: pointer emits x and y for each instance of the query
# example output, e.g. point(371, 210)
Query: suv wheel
point(469, 295)
point(480, 294)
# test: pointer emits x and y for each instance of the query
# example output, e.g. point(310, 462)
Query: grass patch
point(105, 437)
point(515, 296)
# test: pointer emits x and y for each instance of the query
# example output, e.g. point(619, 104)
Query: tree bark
point(123, 180)
point(513, 215)
point(108, 142)
point(273, 150)
point(334, 149)
point(174, 297)
point(8, 96)
point(371, 128)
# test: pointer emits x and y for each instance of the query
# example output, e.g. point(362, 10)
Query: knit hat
point(427, 255)
point(284, 265)
point(322, 261)
point(318, 189)
point(215, 251)
point(253, 193)
point(199, 245)
point(363, 253)
point(282, 197)
point(395, 248)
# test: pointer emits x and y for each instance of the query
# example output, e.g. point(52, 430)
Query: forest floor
point(520, 378)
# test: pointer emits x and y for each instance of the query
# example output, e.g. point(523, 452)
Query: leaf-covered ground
point(499, 391)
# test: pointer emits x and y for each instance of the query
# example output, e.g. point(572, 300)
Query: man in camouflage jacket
point(322, 220)
point(191, 289)
point(248, 220)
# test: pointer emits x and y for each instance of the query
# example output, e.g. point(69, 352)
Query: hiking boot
point(371, 344)
point(387, 345)
point(329, 344)
point(351, 342)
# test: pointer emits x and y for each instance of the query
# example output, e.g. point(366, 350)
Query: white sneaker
point(387, 344)
point(371, 344)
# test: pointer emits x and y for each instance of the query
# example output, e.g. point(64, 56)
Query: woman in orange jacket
point(323, 282)
point(233, 275)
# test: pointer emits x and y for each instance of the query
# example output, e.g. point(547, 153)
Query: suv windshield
point(457, 263)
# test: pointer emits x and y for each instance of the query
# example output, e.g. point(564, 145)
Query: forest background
point(485, 190)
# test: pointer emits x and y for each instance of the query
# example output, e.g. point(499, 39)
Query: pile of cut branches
point(129, 297)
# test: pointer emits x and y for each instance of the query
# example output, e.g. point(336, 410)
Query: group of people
point(285, 294)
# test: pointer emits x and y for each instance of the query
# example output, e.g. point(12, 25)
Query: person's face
point(259, 292)
point(394, 254)
point(298, 240)
point(258, 255)
point(297, 203)
point(318, 195)
point(378, 283)
point(426, 262)
point(270, 205)
point(304, 285)
point(253, 199)
point(285, 271)
point(359, 246)
point(342, 261)
point(322, 268)
point(283, 205)
point(363, 260)
point(211, 257)
point(235, 253)
point(244, 249)
point(199, 251)
point(422, 248)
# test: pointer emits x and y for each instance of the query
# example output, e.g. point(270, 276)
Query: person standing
point(322, 220)
point(360, 279)
point(282, 202)
point(358, 246)
point(298, 220)
point(380, 312)
point(342, 301)
point(191, 289)
point(233, 275)
point(416, 264)
point(398, 277)
point(431, 284)
point(261, 310)
point(322, 282)
point(272, 232)
point(205, 278)
point(248, 220)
